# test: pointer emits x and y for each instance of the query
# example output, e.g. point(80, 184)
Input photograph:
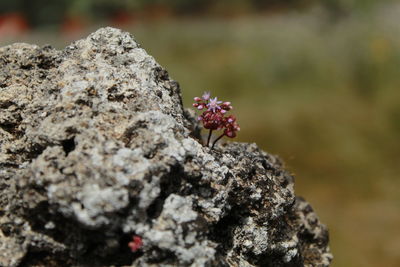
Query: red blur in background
point(13, 25)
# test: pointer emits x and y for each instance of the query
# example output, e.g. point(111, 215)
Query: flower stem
point(209, 137)
point(216, 140)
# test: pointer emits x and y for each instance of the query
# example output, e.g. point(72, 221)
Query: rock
point(95, 148)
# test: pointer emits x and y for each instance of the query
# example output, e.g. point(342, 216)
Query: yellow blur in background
point(316, 84)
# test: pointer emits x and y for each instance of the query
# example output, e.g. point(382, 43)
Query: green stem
point(209, 137)
point(216, 140)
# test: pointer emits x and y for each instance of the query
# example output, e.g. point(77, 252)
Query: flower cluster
point(214, 116)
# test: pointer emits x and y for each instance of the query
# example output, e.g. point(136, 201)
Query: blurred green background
point(316, 82)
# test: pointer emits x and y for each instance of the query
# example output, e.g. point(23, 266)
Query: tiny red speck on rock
point(136, 243)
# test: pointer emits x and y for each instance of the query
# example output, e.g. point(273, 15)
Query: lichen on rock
point(95, 147)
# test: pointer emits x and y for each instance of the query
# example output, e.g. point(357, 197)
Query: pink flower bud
point(206, 96)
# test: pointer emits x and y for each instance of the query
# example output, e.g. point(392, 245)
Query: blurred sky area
point(315, 82)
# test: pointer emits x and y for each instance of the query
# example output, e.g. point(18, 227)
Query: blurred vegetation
point(316, 83)
point(324, 97)
point(44, 13)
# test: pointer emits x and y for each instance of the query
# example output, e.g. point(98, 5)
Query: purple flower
point(214, 105)
point(206, 96)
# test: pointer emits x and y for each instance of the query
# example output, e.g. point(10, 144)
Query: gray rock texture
point(95, 147)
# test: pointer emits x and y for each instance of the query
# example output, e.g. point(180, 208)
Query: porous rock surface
point(95, 147)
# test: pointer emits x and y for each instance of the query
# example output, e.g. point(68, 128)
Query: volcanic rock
point(96, 148)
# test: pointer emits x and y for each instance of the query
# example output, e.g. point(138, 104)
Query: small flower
point(206, 96)
point(136, 243)
point(214, 105)
point(231, 127)
point(213, 118)
point(212, 121)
